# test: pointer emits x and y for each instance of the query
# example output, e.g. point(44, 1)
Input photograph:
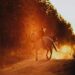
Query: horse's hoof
point(48, 58)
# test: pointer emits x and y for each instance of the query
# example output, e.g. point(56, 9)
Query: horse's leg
point(36, 54)
point(50, 53)
point(47, 54)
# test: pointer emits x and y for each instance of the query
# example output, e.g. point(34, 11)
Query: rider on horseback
point(48, 44)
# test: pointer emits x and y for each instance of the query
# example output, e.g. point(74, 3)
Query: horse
point(48, 44)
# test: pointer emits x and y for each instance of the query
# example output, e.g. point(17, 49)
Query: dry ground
point(42, 67)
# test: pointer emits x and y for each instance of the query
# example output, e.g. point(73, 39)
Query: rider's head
point(44, 30)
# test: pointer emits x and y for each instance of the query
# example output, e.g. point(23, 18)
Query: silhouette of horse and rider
point(48, 44)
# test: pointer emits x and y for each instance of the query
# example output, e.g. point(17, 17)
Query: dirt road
point(42, 67)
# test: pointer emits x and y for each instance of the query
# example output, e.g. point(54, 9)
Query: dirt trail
point(43, 67)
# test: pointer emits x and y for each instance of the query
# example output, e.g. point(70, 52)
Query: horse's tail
point(55, 47)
